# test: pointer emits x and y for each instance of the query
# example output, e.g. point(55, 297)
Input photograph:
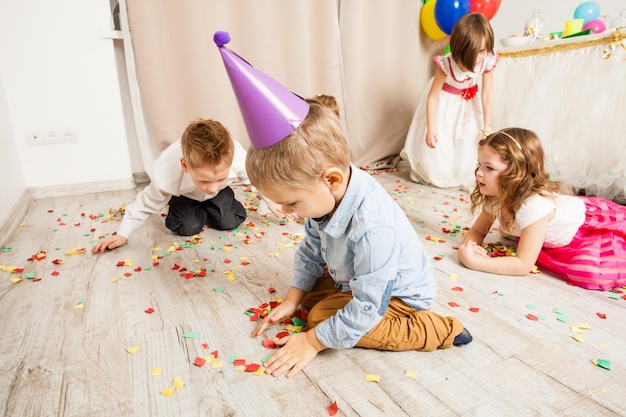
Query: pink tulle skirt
point(596, 257)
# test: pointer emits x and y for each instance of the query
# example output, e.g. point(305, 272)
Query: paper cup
point(573, 26)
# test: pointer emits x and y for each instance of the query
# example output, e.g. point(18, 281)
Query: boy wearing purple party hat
point(360, 270)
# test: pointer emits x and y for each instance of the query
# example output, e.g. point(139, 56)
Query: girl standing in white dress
point(442, 140)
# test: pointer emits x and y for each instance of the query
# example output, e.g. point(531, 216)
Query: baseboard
point(15, 216)
point(83, 188)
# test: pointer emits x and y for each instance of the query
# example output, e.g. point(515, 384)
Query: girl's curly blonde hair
point(524, 176)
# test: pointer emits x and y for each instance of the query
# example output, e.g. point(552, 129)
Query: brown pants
point(402, 327)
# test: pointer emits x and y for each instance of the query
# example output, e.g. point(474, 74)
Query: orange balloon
point(428, 22)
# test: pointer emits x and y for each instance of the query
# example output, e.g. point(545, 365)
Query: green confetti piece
point(30, 275)
point(603, 363)
point(7, 249)
point(147, 268)
point(218, 289)
point(298, 322)
point(614, 297)
point(266, 357)
point(562, 317)
point(557, 310)
point(191, 335)
point(531, 306)
point(540, 317)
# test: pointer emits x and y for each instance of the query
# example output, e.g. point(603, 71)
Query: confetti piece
point(149, 310)
point(459, 289)
point(580, 328)
point(218, 289)
point(156, 371)
point(252, 367)
point(372, 378)
point(602, 363)
point(178, 383)
point(269, 343)
point(191, 335)
point(332, 409)
point(474, 309)
point(167, 392)
point(410, 373)
point(453, 277)
point(133, 349)
point(199, 362)
point(15, 280)
point(532, 317)
point(601, 315)
point(452, 304)
point(531, 306)
point(79, 304)
point(217, 364)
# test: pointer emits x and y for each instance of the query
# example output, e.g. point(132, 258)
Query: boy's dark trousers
point(187, 217)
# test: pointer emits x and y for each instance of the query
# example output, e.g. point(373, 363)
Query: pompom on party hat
point(270, 111)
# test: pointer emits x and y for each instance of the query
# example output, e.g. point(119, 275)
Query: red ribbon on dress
point(467, 93)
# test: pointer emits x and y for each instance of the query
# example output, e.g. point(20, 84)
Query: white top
point(170, 179)
point(569, 215)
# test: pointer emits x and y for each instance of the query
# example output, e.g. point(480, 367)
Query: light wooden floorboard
point(59, 360)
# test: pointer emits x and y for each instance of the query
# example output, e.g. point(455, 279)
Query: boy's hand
point(469, 251)
point(276, 209)
point(283, 311)
point(110, 242)
point(297, 351)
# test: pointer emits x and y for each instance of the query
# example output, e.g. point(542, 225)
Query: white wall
point(12, 182)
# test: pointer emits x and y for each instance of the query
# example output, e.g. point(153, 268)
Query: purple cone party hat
point(269, 110)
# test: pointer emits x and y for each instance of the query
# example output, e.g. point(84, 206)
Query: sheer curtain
point(370, 55)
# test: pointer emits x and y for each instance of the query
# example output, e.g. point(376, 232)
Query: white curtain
point(370, 55)
point(575, 101)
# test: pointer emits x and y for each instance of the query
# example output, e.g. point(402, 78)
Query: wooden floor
point(68, 325)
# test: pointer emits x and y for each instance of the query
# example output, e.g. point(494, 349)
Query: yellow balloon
point(428, 22)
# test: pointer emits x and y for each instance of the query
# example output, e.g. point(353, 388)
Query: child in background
point(193, 174)
point(441, 143)
point(360, 269)
point(580, 239)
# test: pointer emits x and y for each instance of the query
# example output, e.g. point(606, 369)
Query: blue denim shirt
point(371, 249)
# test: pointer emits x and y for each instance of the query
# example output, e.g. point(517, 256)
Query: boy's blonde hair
point(524, 176)
point(207, 143)
point(467, 37)
point(317, 144)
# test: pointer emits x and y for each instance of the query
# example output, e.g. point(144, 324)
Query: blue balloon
point(589, 10)
point(448, 12)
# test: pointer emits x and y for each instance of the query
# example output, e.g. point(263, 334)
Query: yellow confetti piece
point(259, 371)
point(239, 368)
point(372, 378)
point(243, 258)
point(217, 364)
point(70, 252)
point(112, 280)
point(15, 280)
point(128, 262)
point(580, 328)
point(228, 248)
point(604, 345)
point(167, 392)
point(230, 277)
point(178, 383)
point(171, 249)
point(156, 249)
point(79, 304)
point(579, 339)
point(410, 373)
point(209, 359)
point(145, 233)
point(8, 268)
point(133, 349)
point(453, 277)
point(156, 371)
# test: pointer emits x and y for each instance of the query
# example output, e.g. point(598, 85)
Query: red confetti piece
point(176, 266)
point(532, 317)
point(149, 310)
point(205, 346)
point(252, 367)
point(254, 317)
point(332, 409)
point(269, 343)
point(227, 261)
point(452, 304)
point(474, 309)
point(239, 362)
point(120, 263)
point(199, 361)
point(215, 354)
point(601, 315)
point(54, 273)
point(271, 290)
point(460, 289)
point(36, 279)
point(138, 269)
point(280, 335)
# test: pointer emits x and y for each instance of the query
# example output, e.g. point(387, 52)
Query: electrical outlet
point(35, 137)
